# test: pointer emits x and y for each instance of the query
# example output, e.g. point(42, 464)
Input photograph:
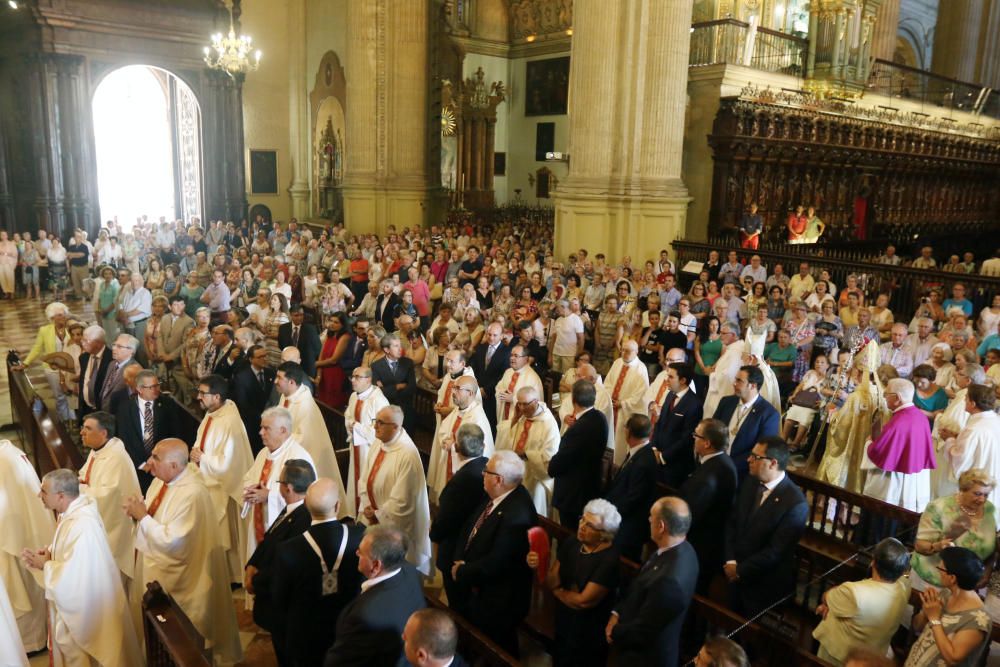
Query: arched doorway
point(147, 133)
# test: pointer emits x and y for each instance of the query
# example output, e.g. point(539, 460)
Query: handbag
point(809, 398)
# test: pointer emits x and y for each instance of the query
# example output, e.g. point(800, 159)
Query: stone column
point(886, 28)
point(298, 113)
point(224, 168)
point(956, 39)
point(628, 90)
point(989, 53)
point(385, 180)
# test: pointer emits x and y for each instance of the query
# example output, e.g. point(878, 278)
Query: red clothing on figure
point(332, 379)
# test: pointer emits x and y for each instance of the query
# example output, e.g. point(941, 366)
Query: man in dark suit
point(251, 387)
point(645, 626)
point(357, 345)
point(223, 353)
point(709, 493)
point(385, 306)
point(489, 362)
point(576, 467)
point(765, 525)
point(491, 573)
point(303, 335)
point(93, 368)
point(672, 438)
point(748, 416)
point(307, 609)
point(430, 639)
point(459, 499)
point(258, 575)
point(633, 488)
point(135, 428)
point(395, 376)
point(369, 631)
point(122, 355)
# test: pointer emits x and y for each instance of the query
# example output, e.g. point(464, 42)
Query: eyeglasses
point(699, 436)
point(490, 472)
point(379, 422)
point(758, 457)
point(150, 386)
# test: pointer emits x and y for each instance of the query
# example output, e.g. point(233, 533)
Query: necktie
point(204, 433)
point(522, 440)
point(370, 484)
point(89, 386)
point(673, 402)
point(489, 354)
point(155, 505)
point(479, 523)
point(260, 379)
point(618, 388)
point(295, 336)
point(147, 426)
point(510, 388)
point(281, 517)
point(758, 496)
point(649, 562)
point(258, 509)
point(392, 367)
point(454, 434)
point(109, 382)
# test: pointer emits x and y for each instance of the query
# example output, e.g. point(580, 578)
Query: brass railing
point(725, 41)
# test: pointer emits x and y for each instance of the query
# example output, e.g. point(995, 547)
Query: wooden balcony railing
point(728, 41)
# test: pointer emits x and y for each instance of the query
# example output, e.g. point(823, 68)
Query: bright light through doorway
point(134, 137)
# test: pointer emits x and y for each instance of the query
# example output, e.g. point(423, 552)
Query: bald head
point(291, 354)
point(130, 373)
point(587, 372)
point(168, 460)
point(322, 499)
point(676, 355)
point(464, 391)
point(527, 394)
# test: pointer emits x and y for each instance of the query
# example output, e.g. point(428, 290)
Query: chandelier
point(231, 53)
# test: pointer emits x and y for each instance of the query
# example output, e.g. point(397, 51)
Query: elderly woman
point(802, 332)
point(929, 397)
point(965, 519)
point(940, 361)
point(954, 629)
point(194, 344)
point(52, 338)
point(583, 578)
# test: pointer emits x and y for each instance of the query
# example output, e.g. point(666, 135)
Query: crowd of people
point(710, 383)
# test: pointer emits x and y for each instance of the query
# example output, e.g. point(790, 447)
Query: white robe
point(653, 391)
point(720, 382)
point(526, 377)
point(977, 446)
point(309, 429)
point(399, 491)
point(770, 391)
point(290, 449)
point(24, 523)
point(437, 468)
point(360, 435)
point(180, 548)
point(602, 404)
point(12, 653)
point(630, 397)
point(539, 448)
point(88, 613)
point(112, 480)
point(444, 393)
point(911, 491)
point(953, 418)
point(225, 460)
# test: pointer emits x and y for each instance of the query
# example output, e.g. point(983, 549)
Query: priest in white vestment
point(720, 382)
point(602, 403)
point(178, 545)
point(222, 453)
point(456, 365)
point(520, 374)
point(535, 438)
point(12, 651)
point(949, 424)
point(656, 394)
point(24, 522)
point(443, 459)
point(108, 477)
point(394, 491)
point(359, 422)
point(89, 617)
point(627, 381)
point(262, 500)
point(978, 445)
point(308, 427)
point(769, 389)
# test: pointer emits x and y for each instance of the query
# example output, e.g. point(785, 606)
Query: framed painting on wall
point(263, 171)
point(547, 87)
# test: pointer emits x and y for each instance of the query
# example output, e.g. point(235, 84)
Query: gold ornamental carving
point(532, 19)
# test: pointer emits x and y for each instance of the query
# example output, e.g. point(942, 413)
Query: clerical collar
point(279, 451)
point(539, 408)
point(76, 504)
point(395, 439)
point(97, 449)
point(455, 376)
point(365, 585)
point(366, 393)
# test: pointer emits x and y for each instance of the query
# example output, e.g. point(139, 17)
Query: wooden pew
point(171, 638)
point(475, 647)
point(42, 433)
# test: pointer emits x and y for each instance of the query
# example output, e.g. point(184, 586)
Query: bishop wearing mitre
point(627, 381)
point(310, 429)
point(89, 618)
point(108, 477)
point(222, 453)
point(394, 491)
point(359, 421)
point(520, 374)
point(262, 500)
point(468, 410)
point(602, 404)
point(25, 523)
point(178, 545)
point(535, 438)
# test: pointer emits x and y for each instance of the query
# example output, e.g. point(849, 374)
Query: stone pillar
point(886, 29)
point(224, 168)
point(956, 39)
point(385, 180)
point(628, 90)
point(989, 65)
point(298, 113)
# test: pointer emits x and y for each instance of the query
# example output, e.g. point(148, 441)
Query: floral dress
point(800, 332)
point(942, 519)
